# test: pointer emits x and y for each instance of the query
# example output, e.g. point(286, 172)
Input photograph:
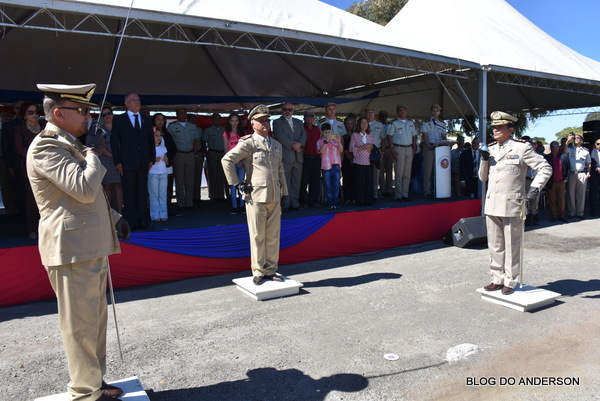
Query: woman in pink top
point(233, 132)
point(361, 144)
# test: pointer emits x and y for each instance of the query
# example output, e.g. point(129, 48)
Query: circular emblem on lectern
point(445, 163)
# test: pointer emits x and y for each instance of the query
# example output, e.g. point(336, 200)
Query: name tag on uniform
point(512, 157)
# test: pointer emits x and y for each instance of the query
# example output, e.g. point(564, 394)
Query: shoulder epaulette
point(322, 120)
point(49, 134)
point(492, 143)
point(246, 137)
point(521, 140)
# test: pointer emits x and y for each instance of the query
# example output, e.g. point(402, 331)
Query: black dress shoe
point(493, 287)
point(398, 199)
point(406, 199)
point(110, 391)
point(258, 280)
point(507, 290)
point(275, 277)
point(107, 398)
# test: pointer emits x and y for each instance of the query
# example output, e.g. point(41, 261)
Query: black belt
point(181, 151)
point(218, 151)
point(572, 171)
point(311, 156)
point(404, 146)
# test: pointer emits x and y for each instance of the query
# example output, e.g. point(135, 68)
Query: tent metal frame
point(83, 18)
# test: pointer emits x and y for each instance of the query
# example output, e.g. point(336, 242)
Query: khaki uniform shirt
point(184, 137)
point(505, 174)
point(337, 127)
point(377, 132)
point(213, 136)
point(264, 168)
point(402, 132)
point(436, 131)
point(76, 221)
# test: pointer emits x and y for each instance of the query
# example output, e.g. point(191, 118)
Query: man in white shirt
point(402, 140)
point(579, 172)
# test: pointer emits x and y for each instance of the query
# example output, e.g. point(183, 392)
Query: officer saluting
point(76, 233)
point(263, 188)
point(504, 166)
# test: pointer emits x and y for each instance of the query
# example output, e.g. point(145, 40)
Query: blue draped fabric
point(225, 241)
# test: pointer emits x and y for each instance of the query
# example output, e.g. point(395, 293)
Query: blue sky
point(574, 23)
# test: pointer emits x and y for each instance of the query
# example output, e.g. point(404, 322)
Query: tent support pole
point(483, 94)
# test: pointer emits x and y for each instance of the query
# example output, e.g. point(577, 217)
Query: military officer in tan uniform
point(264, 186)
point(76, 233)
point(433, 130)
point(503, 166)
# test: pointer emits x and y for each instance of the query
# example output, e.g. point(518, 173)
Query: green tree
point(565, 132)
point(378, 11)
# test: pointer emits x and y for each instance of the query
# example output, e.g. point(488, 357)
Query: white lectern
point(443, 169)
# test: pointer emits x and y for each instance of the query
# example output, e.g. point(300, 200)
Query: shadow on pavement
point(268, 384)
point(571, 288)
point(351, 281)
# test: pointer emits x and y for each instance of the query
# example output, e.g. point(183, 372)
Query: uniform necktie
point(137, 123)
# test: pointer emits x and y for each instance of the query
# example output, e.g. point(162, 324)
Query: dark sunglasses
point(32, 112)
point(287, 109)
point(84, 111)
point(108, 113)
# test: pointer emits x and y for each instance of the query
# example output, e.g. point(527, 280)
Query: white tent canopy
point(527, 69)
point(224, 55)
point(208, 54)
point(490, 33)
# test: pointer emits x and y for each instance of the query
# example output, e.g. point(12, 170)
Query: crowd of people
point(327, 162)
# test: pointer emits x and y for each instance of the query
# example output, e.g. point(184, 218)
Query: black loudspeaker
point(591, 133)
point(469, 231)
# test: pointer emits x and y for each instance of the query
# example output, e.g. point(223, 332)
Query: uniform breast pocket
point(79, 221)
point(513, 167)
point(259, 183)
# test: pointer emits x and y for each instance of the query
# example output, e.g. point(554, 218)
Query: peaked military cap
point(259, 111)
point(75, 93)
point(501, 118)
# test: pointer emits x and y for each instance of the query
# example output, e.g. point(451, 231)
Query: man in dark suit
point(291, 134)
point(469, 165)
point(595, 180)
point(132, 142)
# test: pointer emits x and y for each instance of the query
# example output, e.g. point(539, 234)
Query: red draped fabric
point(24, 278)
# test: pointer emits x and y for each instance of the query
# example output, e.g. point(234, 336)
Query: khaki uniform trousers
point(183, 168)
point(504, 242)
point(402, 168)
point(264, 226)
point(556, 199)
point(217, 189)
point(577, 187)
point(386, 177)
point(81, 295)
point(428, 161)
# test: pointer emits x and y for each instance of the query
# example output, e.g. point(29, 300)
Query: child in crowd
point(157, 180)
point(231, 136)
point(330, 147)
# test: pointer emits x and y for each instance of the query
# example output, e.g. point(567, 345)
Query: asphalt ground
point(202, 339)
